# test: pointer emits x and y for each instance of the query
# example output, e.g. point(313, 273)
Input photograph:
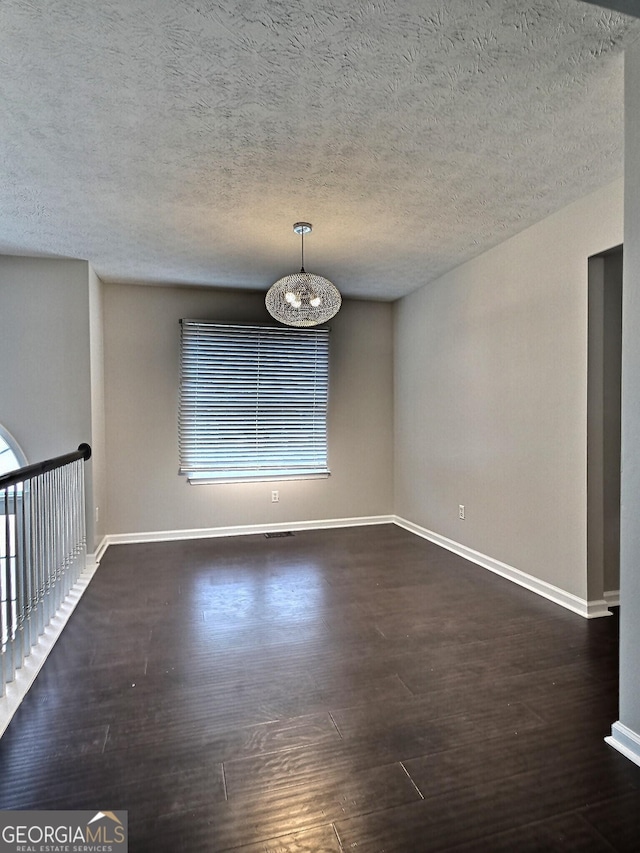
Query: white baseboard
point(95, 557)
point(612, 597)
point(17, 689)
point(244, 529)
point(588, 609)
point(626, 741)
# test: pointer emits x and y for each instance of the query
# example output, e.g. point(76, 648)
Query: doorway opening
point(603, 425)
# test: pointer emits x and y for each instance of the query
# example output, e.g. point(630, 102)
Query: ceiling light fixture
point(303, 299)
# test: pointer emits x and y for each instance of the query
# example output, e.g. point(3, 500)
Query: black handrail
point(30, 471)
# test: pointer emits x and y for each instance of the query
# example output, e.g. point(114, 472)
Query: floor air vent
point(278, 535)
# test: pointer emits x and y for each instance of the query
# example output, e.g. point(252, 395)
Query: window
point(11, 458)
point(253, 402)
point(11, 455)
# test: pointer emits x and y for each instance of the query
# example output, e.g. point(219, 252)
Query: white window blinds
point(253, 402)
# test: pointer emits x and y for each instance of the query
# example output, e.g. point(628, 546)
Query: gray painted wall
point(630, 488)
point(145, 492)
point(491, 396)
point(97, 510)
point(45, 352)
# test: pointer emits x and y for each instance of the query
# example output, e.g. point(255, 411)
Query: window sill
point(209, 480)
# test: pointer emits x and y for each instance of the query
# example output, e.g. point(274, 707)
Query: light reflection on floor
point(286, 603)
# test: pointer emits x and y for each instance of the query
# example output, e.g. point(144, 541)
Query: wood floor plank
point(288, 811)
point(462, 817)
point(512, 754)
point(618, 820)
point(308, 766)
point(36, 746)
point(419, 733)
point(321, 840)
point(568, 833)
point(227, 745)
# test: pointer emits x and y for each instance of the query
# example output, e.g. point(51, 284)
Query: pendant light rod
point(302, 228)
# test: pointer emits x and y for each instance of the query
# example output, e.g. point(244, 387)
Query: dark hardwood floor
point(356, 689)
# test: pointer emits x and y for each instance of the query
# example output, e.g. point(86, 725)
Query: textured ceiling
point(178, 141)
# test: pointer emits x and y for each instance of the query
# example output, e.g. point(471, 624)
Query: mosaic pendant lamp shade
point(303, 299)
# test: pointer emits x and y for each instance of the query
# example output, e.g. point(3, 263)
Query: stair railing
point(43, 547)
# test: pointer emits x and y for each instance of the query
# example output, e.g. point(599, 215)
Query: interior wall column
point(625, 734)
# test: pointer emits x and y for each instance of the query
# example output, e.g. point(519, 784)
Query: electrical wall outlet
point(460, 510)
point(275, 496)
